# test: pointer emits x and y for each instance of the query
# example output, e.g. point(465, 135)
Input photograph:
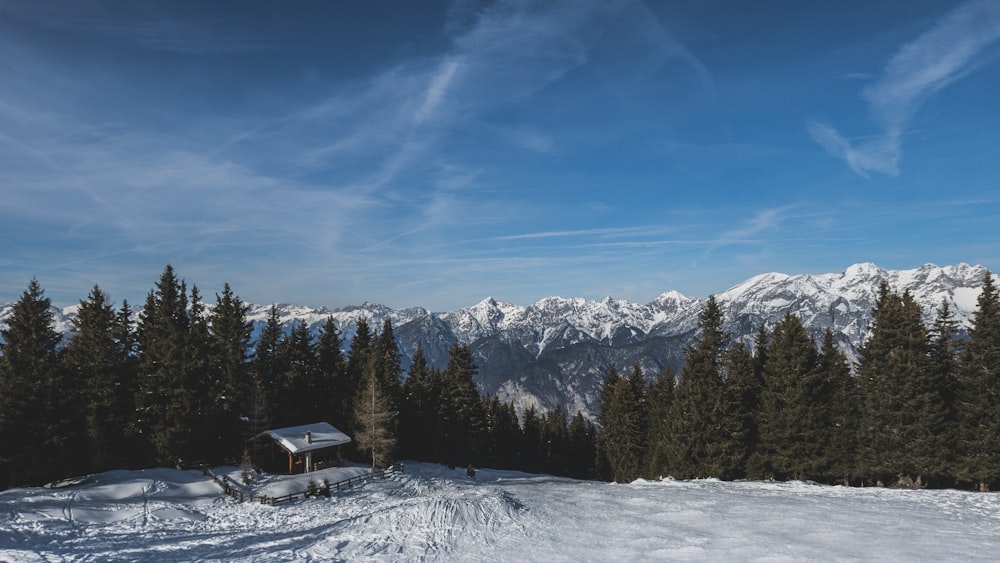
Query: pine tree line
point(180, 384)
point(922, 410)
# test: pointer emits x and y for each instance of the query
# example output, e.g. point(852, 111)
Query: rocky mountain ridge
point(556, 351)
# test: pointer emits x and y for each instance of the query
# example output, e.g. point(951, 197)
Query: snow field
point(432, 513)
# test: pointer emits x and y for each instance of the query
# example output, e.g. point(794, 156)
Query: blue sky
point(435, 153)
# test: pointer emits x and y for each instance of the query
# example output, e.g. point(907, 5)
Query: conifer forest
point(183, 383)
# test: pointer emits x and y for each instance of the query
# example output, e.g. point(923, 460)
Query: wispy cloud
point(436, 90)
point(950, 50)
point(764, 220)
point(577, 233)
point(880, 153)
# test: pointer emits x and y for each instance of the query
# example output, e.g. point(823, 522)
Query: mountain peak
point(866, 270)
point(488, 303)
point(671, 296)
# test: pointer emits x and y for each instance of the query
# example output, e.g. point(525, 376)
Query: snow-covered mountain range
point(556, 351)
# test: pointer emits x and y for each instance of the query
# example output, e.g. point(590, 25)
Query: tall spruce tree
point(230, 362)
point(893, 371)
point(531, 456)
point(336, 388)
point(267, 367)
point(504, 434)
point(979, 386)
point(623, 435)
point(211, 429)
point(357, 355)
point(461, 412)
point(659, 401)
point(417, 410)
point(695, 422)
point(934, 429)
point(304, 401)
point(738, 405)
point(605, 416)
point(789, 418)
point(433, 425)
point(40, 424)
point(388, 363)
point(176, 397)
point(127, 338)
point(839, 436)
point(99, 359)
point(583, 444)
point(491, 408)
point(555, 442)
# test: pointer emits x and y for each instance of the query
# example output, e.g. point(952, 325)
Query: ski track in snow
point(432, 513)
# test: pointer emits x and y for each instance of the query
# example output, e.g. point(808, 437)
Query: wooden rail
point(232, 489)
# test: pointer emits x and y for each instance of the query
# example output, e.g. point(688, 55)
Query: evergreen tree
point(389, 362)
point(788, 417)
point(605, 416)
point(638, 397)
point(40, 426)
point(433, 433)
point(417, 410)
point(502, 434)
point(843, 410)
point(460, 409)
point(532, 459)
point(695, 422)
point(304, 402)
point(176, 392)
point(357, 355)
point(980, 392)
point(934, 429)
point(489, 443)
point(127, 338)
point(507, 434)
point(230, 362)
point(555, 442)
point(659, 401)
point(737, 408)
point(582, 447)
point(335, 386)
point(98, 358)
point(269, 372)
point(894, 368)
point(373, 421)
point(622, 437)
point(212, 436)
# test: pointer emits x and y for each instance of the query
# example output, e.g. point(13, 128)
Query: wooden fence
point(233, 489)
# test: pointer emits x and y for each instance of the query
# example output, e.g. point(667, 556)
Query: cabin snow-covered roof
point(321, 435)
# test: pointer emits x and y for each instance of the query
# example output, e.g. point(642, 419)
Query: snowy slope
point(435, 514)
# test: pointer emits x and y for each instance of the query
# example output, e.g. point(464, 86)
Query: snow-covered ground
point(434, 513)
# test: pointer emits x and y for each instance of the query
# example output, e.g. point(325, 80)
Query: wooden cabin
point(308, 447)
